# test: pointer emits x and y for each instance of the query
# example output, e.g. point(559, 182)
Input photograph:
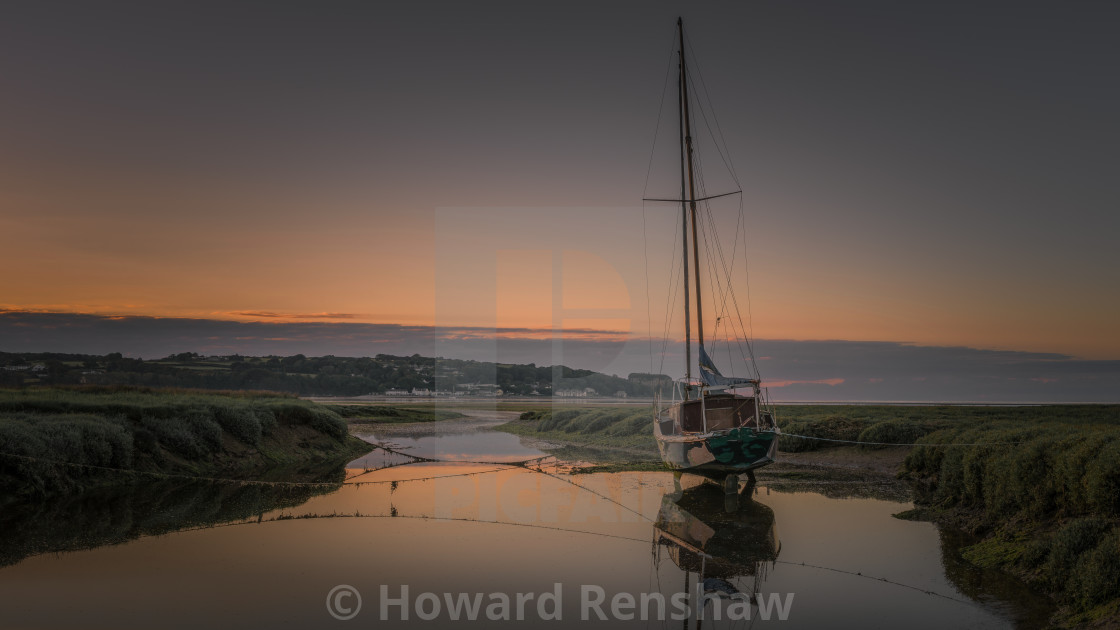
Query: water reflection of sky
point(454, 527)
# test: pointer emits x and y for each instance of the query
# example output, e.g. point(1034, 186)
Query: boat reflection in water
point(724, 542)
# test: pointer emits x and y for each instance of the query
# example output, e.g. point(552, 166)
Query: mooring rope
point(877, 579)
point(426, 478)
point(522, 463)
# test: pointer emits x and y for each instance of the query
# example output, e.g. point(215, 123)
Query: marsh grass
point(150, 430)
point(392, 414)
point(1045, 491)
point(615, 427)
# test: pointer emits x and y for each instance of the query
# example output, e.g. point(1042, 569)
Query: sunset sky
point(941, 174)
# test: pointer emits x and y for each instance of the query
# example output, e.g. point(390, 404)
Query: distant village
point(383, 375)
point(492, 390)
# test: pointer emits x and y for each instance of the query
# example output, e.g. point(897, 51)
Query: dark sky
point(906, 94)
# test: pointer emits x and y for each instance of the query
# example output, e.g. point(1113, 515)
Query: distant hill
point(321, 376)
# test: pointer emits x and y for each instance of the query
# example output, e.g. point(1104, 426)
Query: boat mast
point(691, 194)
point(684, 220)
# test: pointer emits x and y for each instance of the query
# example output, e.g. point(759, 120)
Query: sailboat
point(707, 426)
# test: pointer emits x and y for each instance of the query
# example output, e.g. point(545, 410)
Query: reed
point(1045, 495)
point(55, 440)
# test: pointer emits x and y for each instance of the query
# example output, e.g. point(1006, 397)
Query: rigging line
point(747, 338)
point(700, 185)
point(726, 159)
point(671, 299)
point(729, 333)
point(722, 157)
point(649, 311)
point(645, 188)
point(739, 316)
point(720, 151)
point(707, 209)
point(717, 288)
point(723, 284)
point(747, 280)
point(699, 199)
point(717, 283)
point(749, 348)
point(727, 344)
point(711, 104)
point(660, 109)
point(721, 287)
point(722, 292)
point(748, 332)
point(708, 222)
point(668, 323)
point(734, 253)
point(729, 272)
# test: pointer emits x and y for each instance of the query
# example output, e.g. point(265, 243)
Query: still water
point(472, 527)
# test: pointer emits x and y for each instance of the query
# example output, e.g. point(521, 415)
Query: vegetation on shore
point(632, 427)
point(628, 428)
point(1044, 496)
point(392, 414)
point(60, 440)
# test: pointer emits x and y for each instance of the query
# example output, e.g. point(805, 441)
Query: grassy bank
point(60, 440)
point(632, 427)
point(1044, 496)
point(392, 414)
point(628, 428)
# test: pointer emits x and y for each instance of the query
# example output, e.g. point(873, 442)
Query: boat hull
point(723, 453)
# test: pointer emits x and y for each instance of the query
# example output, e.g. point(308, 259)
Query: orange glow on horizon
point(376, 272)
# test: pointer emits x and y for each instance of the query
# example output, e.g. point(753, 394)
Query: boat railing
point(704, 411)
point(763, 411)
